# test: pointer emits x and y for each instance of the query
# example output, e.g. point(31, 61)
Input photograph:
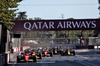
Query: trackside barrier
point(1, 64)
point(8, 58)
point(19, 49)
point(14, 50)
point(25, 47)
point(3, 59)
point(85, 47)
point(96, 47)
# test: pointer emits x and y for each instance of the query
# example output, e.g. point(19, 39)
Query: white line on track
point(82, 57)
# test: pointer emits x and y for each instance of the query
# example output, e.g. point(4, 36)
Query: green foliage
point(7, 12)
point(37, 18)
point(96, 32)
point(21, 16)
point(99, 1)
point(30, 19)
point(10, 24)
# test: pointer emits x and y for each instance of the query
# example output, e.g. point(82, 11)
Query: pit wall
point(4, 59)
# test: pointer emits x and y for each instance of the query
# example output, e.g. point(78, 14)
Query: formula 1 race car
point(55, 51)
point(47, 52)
point(67, 52)
point(38, 53)
point(26, 57)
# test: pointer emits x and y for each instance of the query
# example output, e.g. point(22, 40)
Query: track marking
point(86, 63)
point(82, 62)
point(82, 57)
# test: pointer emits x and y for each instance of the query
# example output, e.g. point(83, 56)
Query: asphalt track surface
point(82, 58)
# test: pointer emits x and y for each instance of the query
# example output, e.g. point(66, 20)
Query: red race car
point(26, 57)
point(47, 52)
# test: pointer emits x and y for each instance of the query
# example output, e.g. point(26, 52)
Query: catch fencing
point(69, 42)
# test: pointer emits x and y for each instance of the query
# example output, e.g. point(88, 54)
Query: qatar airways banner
point(54, 25)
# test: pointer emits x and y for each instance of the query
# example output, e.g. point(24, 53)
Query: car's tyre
point(40, 56)
point(51, 54)
point(18, 60)
point(34, 59)
point(73, 52)
point(43, 55)
point(62, 54)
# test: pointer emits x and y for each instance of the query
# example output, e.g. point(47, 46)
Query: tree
point(99, 1)
point(96, 32)
point(22, 16)
point(7, 12)
point(37, 18)
point(30, 19)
